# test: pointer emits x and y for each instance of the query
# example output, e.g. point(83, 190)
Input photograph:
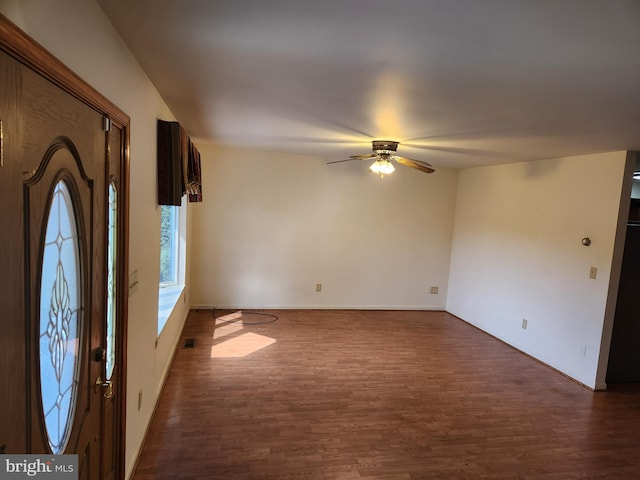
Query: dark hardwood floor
point(378, 395)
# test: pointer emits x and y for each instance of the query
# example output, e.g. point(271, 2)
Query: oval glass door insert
point(60, 305)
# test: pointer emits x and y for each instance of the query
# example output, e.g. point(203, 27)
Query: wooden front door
point(62, 288)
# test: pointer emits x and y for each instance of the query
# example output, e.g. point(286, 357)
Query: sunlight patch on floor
point(225, 328)
point(230, 317)
point(241, 346)
point(227, 324)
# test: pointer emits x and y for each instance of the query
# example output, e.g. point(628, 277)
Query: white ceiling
point(458, 82)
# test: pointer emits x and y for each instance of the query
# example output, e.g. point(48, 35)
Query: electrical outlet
point(524, 323)
point(434, 290)
point(318, 287)
point(140, 399)
point(593, 272)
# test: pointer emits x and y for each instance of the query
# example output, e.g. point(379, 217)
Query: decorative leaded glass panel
point(60, 305)
point(111, 285)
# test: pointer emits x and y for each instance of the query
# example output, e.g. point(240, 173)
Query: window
point(168, 245)
point(172, 227)
point(60, 308)
point(112, 238)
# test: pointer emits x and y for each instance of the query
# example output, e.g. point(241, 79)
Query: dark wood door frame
point(27, 51)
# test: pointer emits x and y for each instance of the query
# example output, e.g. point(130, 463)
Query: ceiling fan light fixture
point(382, 167)
point(383, 152)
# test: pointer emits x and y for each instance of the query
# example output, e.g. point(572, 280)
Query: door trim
point(27, 51)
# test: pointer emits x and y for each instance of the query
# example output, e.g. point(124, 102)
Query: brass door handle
point(107, 385)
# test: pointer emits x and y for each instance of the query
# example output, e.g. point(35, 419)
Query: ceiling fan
point(383, 152)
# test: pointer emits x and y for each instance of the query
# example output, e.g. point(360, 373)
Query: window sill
point(167, 298)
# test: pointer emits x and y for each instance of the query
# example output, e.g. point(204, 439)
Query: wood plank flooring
point(378, 395)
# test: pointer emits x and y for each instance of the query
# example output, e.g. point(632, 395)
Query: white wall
point(273, 225)
point(517, 254)
point(77, 32)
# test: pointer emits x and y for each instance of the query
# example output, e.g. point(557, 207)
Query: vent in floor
point(189, 343)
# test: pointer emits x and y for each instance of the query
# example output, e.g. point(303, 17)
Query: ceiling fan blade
point(417, 164)
point(354, 157)
point(340, 161)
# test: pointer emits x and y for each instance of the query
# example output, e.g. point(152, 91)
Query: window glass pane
point(60, 305)
point(168, 244)
point(111, 280)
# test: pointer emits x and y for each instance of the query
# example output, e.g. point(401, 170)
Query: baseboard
point(436, 308)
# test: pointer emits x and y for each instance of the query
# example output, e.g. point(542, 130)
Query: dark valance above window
point(194, 175)
point(179, 169)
